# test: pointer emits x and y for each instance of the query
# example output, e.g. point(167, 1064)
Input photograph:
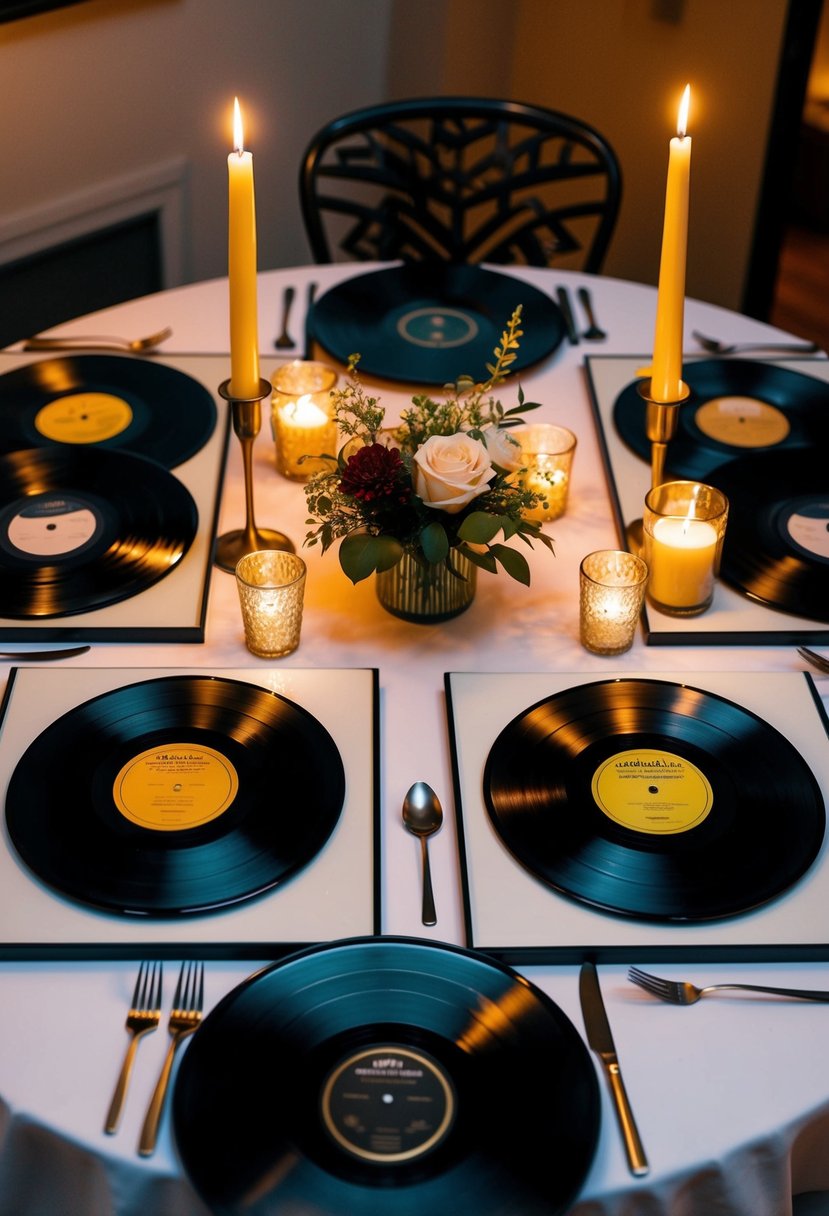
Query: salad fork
point(185, 1017)
point(143, 1016)
point(680, 992)
point(715, 347)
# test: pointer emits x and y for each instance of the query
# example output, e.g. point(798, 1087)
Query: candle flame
point(682, 116)
point(238, 130)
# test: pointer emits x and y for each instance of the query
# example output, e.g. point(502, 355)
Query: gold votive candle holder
point(611, 592)
point(303, 426)
point(271, 586)
point(547, 453)
point(684, 528)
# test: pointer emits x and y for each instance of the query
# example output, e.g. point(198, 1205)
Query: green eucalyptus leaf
point(483, 559)
point(480, 527)
point(515, 564)
point(361, 556)
point(434, 542)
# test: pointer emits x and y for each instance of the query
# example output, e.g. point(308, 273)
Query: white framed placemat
point(510, 913)
point(335, 895)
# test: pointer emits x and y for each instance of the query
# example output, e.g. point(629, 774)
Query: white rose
point(451, 470)
point(504, 450)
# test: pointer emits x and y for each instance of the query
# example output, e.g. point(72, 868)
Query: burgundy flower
point(376, 475)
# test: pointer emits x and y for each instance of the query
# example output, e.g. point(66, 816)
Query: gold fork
point(137, 345)
point(185, 1017)
point(143, 1016)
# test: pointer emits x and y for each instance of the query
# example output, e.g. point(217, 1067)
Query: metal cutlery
point(138, 346)
point(600, 1038)
point(185, 1017)
point(43, 656)
point(680, 992)
point(715, 347)
point(594, 332)
point(308, 351)
point(423, 815)
point(817, 660)
point(285, 341)
point(563, 297)
point(143, 1017)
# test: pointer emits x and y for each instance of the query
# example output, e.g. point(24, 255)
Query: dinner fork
point(185, 1017)
point(817, 660)
point(143, 1016)
point(138, 346)
point(716, 347)
point(680, 992)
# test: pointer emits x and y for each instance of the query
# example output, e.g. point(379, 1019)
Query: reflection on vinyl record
point(654, 800)
point(430, 322)
point(390, 1076)
point(106, 401)
point(736, 408)
point(777, 542)
point(176, 795)
point(81, 529)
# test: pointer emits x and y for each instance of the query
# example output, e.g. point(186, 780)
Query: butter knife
point(563, 297)
point(600, 1038)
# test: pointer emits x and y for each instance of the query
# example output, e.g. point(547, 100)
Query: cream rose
point(503, 449)
point(451, 470)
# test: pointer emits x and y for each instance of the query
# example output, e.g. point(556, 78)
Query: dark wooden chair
point(462, 180)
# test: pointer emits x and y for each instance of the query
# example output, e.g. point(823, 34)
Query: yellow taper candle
point(241, 263)
point(666, 374)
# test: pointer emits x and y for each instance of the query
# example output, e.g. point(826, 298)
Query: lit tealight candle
point(684, 527)
point(548, 452)
point(302, 429)
point(611, 591)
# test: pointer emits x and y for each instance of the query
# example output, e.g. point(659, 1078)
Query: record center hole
point(653, 789)
point(177, 786)
point(51, 527)
point(387, 1098)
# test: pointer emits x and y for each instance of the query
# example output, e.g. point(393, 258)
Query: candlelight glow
point(238, 130)
point(682, 116)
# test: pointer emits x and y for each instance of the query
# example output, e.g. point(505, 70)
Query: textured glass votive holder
point(271, 586)
point(611, 592)
point(302, 423)
point(684, 528)
point(548, 452)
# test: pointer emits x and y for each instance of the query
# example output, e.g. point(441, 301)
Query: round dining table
point(730, 1096)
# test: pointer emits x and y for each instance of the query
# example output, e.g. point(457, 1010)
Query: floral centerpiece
point(437, 495)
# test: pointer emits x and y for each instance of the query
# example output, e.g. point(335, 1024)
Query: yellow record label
point(83, 418)
point(652, 791)
point(178, 786)
point(742, 422)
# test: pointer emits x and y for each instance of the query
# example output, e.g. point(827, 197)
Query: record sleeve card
point(219, 814)
point(641, 816)
point(110, 475)
point(753, 429)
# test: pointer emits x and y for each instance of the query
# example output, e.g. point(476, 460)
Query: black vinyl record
point(776, 547)
point(106, 401)
point(176, 795)
point(387, 1075)
point(654, 800)
point(736, 408)
point(431, 322)
point(81, 529)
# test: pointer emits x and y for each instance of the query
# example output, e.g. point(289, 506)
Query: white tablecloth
point(731, 1096)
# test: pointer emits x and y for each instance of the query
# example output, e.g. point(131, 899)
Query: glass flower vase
point(427, 594)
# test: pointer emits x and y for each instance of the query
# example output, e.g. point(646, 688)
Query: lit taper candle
point(241, 260)
point(666, 374)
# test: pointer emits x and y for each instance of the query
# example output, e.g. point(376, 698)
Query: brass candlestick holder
point(660, 427)
point(246, 413)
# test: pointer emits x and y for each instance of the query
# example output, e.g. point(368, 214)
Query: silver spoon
point(594, 332)
point(423, 815)
point(725, 348)
point(285, 341)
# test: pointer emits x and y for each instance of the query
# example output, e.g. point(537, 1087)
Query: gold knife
point(600, 1039)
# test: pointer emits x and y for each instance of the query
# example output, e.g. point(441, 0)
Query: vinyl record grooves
point(386, 1075)
point(81, 529)
point(654, 800)
point(737, 407)
point(777, 542)
point(174, 796)
point(429, 322)
point(109, 402)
